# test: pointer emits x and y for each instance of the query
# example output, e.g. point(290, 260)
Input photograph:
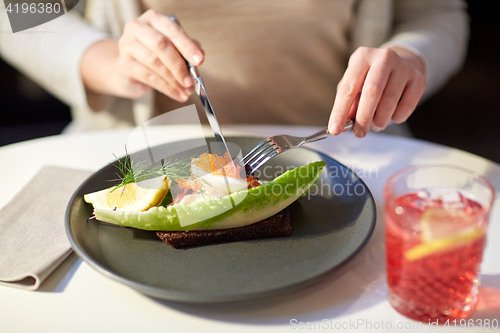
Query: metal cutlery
point(278, 144)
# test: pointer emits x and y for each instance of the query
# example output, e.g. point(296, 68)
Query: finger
point(347, 91)
point(199, 46)
point(411, 95)
point(148, 77)
point(165, 51)
point(389, 100)
point(354, 107)
point(189, 49)
point(132, 88)
point(373, 88)
point(148, 58)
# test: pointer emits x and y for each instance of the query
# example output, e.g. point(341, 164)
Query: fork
point(278, 144)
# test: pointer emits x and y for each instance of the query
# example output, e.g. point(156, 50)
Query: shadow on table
point(60, 278)
point(488, 306)
point(384, 159)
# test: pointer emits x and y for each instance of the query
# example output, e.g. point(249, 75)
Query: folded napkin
point(33, 239)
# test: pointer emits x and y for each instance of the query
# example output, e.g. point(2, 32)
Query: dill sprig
point(131, 171)
point(176, 168)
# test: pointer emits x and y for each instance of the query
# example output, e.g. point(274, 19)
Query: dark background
point(464, 114)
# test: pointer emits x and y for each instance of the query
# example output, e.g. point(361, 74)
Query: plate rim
point(195, 297)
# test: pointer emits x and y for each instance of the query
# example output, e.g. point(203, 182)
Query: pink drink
point(435, 237)
point(441, 285)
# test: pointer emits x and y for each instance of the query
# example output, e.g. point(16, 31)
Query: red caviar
point(216, 165)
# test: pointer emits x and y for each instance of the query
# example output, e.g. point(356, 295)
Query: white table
point(76, 298)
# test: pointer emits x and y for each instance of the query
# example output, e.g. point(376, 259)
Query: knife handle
point(192, 68)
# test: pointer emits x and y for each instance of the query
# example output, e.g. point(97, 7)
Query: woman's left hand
point(378, 85)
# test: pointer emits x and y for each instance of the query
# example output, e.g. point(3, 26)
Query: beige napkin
point(33, 239)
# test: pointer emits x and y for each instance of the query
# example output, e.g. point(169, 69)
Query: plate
point(331, 224)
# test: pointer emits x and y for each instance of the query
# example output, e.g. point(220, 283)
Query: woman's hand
point(379, 84)
point(146, 56)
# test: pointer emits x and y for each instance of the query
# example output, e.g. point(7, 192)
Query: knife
point(209, 111)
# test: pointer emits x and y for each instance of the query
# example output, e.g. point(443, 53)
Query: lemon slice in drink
point(442, 229)
point(439, 223)
point(130, 197)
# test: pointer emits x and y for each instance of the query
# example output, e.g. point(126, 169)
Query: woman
point(263, 61)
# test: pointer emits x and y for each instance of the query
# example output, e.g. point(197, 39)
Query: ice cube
point(423, 194)
point(454, 206)
point(451, 197)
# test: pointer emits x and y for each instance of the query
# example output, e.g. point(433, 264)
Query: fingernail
point(334, 129)
point(359, 132)
point(188, 81)
point(183, 97)
point(376, 129)
point(197, 59)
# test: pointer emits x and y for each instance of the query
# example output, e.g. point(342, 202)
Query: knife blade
point(212, 120)
point(209, 111)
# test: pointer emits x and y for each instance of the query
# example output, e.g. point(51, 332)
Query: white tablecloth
point(76, 298)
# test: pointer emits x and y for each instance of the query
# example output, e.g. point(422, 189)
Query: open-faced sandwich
point(216, 202)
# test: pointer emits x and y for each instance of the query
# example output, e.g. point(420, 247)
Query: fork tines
point(260, 155)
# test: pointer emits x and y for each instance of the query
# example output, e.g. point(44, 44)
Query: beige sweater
point(266, 61)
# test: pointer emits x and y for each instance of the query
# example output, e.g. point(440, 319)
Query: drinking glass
point(436, 218)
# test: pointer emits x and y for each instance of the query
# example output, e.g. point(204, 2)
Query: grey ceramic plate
point(330, 226)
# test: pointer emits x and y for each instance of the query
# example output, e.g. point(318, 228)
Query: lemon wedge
point(463, 237)
point(439, 231)
point(131, 197)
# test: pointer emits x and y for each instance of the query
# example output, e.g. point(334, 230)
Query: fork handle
point(322, 134)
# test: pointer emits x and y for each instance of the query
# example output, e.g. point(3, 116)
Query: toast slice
point(278, 225)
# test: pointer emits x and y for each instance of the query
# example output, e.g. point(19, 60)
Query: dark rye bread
point(275, 226)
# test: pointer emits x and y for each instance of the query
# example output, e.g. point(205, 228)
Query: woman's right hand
point(146, 56)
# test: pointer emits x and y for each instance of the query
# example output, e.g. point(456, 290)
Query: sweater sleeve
point(51, 53)
point(437, 31)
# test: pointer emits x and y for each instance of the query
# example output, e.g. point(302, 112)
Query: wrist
point(98, 70)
